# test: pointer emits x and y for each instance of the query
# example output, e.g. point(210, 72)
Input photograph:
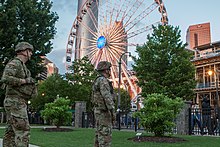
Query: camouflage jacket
point(14, 71)
point(103, 96)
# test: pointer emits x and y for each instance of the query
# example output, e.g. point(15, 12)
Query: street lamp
point(119, 87)
point(210, 72)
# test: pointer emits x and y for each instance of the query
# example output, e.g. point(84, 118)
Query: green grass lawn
point(85, 137)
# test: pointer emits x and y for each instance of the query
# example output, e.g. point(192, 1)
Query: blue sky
point(181, 13)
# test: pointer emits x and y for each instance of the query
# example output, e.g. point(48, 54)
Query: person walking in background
point(196, 117)
point(20, 86)
point(104, 106)
point(206, 116)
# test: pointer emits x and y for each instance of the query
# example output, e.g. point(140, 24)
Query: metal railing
point(203, 122)
point(207, 85)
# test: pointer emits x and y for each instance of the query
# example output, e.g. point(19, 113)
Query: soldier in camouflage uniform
point(20, 86)
point(104, 107)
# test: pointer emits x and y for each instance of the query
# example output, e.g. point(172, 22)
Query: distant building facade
point(50, 68)
point(207, 58)
point(198, 35)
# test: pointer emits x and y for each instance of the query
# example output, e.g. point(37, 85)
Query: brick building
point(198, 34)
point(50, 68)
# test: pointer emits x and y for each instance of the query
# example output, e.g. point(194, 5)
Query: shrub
point(158, 113)
point(57, 112)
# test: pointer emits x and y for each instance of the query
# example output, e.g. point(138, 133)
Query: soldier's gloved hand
point(30, 80)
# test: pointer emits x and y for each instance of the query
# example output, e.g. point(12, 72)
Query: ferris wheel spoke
point(130, 24)
point(93, 58)
point(133, 9)
point(118, 44)
point(93, 18)
point(116, 29)
point(86, 39)
point(123, 9)
point(129, 81)
point(88, 47)
point(141, 30)
point(117, 49)
point(118, 38)
point(114, 71)
point(93, 53)
point(88, 29)
point(114, 54)
point(97, 58)
point(114, 13)
point(113, 59)
point(108, 10)
point(111, 13)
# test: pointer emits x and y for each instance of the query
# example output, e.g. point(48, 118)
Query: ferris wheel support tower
point(82, 44)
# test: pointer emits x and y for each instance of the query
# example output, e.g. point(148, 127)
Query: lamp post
point(119, 88)
point(217, 96)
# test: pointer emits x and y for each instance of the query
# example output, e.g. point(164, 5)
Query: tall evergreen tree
point(164, 66)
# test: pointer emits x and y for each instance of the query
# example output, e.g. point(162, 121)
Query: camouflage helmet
point(21, 46)
point(103, 65)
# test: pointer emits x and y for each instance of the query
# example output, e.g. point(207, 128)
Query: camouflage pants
point(103, 133)
point(18, 129)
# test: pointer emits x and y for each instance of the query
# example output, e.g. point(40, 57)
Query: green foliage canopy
point(57, 112)
point(26, 20)
point(82, 79)
point(158, 113)
point(49, 89)
point(125, 105)
point(164, 66)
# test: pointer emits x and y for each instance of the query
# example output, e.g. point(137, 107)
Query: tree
point(164, 66)
point(57, 112)
point(26, 20)
point(125, 104)
point(48, 90)
point(82, 79)
point(158, 113)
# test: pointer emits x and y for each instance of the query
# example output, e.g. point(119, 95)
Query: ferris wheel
point(104, 30)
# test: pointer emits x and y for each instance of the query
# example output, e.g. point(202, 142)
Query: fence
point(203, 121)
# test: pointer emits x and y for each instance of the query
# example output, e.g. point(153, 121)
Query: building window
point(196, 39)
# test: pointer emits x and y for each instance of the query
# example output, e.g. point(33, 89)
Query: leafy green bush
point(57, 112)
point(158, 113)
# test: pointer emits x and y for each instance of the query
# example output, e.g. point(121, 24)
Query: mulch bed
point(57, 129)
point(165, 139)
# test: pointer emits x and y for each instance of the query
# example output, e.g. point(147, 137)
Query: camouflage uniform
point(103, 100)
point(18, 129)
